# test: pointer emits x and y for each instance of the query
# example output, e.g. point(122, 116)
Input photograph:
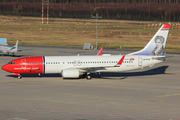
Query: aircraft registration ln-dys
point(74, 66)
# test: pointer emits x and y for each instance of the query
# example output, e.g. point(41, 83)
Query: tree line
point(126, 11)
point(97, 1)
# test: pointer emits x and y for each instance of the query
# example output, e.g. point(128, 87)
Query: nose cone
point(5, 67)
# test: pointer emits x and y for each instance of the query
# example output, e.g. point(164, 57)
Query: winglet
point(100, 51)
point(120, 61)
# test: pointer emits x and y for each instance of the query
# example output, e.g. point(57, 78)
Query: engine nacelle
point(70, 73)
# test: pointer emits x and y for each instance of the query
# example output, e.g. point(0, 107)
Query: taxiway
point(144, 94)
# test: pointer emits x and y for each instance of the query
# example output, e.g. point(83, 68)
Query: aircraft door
point(140, 62)
point(23, 63)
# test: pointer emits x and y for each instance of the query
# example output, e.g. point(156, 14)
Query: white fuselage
point(55, 64)
point(7, 49)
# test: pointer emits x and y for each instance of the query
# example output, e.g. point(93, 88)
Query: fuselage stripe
point(43, 64)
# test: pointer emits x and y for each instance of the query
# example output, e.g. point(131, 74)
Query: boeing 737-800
point(74, 66)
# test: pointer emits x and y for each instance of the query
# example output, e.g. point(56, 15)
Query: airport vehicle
point(9, 50)
point(74, 66)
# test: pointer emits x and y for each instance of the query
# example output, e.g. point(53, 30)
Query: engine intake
point(70, 73)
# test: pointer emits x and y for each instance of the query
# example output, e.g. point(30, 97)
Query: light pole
point(97, 17)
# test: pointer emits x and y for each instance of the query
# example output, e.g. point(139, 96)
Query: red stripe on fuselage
point(26, 65)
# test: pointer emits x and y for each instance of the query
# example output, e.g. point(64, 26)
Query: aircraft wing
point(94, 69)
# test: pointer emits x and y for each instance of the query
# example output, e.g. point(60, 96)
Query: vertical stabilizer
point(15, 47)
point(156, 45)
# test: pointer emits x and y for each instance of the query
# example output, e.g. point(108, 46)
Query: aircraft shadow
point(36, 75)
point(108, 75)
point(11, 55)
point(155, 71)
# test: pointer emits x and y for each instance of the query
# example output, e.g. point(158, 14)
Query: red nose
point(5, 67)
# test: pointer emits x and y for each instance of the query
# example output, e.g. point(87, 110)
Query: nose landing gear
point(19, 76)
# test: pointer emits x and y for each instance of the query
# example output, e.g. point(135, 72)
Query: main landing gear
point(87, 76)
point(17, 74)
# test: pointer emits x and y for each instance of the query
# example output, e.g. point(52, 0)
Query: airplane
point(75, 66)
point(9, 50)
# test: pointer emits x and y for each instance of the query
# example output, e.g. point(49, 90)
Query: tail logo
point(158, 50)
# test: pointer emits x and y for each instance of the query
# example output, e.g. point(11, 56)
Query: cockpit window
point(11, 62)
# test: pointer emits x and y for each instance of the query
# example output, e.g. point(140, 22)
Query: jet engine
point(70, 73)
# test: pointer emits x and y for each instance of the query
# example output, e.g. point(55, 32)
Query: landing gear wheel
point(88, 77)
point(84, 75)
point(19, 76)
